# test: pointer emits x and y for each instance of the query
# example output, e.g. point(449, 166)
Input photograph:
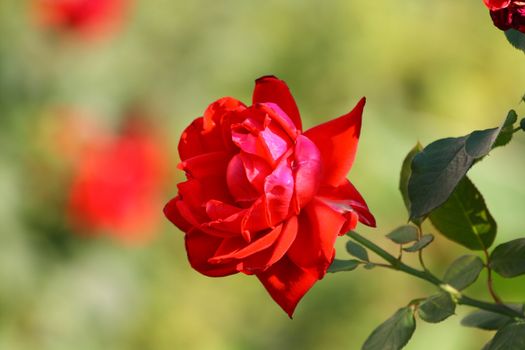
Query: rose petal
point(278, 191)
point(337, 142)
point(345, 198)
point(200, 247)
point(206, 134)
point(287, 283)
point(205, 165)
point(238, 184)
point(270, 256)
point(307, 169)
point(271, 89)
point(319, 226)
point(256, 169)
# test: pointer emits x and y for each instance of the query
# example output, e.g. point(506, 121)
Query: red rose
point(116, 185)
point(85, 17)
point(262, 196)
point(507, 14)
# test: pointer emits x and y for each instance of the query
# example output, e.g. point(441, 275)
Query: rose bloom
point(116, 185)
point(264, 198)
point(91, 18)
point(507, 14)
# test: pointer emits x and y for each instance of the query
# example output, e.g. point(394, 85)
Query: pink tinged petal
point(278, 190)
point(205, 165)
point(200, 247)
point(319, 226)
point(287, 283)
point(307, 170)
point(271, 89)
point(337, 141)
point(345, 198)
point(276, 142)
point(274, 253)
point(256, 169)
point(279, 117)
point(238, 184)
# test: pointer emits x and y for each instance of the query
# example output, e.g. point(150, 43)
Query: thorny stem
point(490, 283)
point(429, 277)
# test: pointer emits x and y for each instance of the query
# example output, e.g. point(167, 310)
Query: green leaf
point(394, 333)
point(441, 165)
point(403, 234)
point(510, 337)
point(465, 219)
point(369, 266)
point(422, 243)
point(463, 271)
point(522, 124)
point(343, 265)
point(507, 130)
point(437, 308)
point(516, 39)
point(508, 259)
point(357, 250)
point(487, 320)
point(405, 173)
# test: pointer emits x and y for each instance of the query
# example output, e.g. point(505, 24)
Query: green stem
point(429, 277)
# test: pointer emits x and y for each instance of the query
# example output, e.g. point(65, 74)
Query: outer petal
point(271, 89)
point(319, 226)
point(345, 198)
point(337, 141)
point(287, 283)
point(200, 247)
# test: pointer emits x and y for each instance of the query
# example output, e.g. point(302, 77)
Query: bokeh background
point(68, 96)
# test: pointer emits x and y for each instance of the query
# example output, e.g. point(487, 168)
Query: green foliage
point(508, 259)
point(421, 244)
point(394, 333)
point(510, 337)
point(463, 271)
point(487, 320)
point(465, 219)
point(516, 38)
point(403, 234)
point(357, 250)
point(437, 308)
point(522, 124)
point(343, 265)
point(507, 130)
point(406, 171)
point(438, 169)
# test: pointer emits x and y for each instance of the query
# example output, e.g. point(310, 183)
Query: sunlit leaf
point(465, 219)
point(403, 234)
point(394, 333)
point(463, 271)
point(508, 259)
point(406, 170)
point(437, 308)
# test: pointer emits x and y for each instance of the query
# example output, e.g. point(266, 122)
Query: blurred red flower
point(507, 14)
point(263, 197)
point(90, 18)
point(117, 183)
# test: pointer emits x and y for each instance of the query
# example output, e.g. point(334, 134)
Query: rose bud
point(507, 14)
point(117, 183)
point(264, 198)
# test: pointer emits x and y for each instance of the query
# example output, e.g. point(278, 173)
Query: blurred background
point(94, 93)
